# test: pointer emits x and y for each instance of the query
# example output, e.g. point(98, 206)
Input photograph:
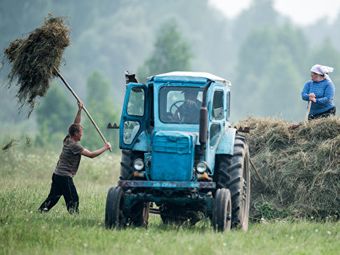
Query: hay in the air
point(298, 170)
point(34, 58)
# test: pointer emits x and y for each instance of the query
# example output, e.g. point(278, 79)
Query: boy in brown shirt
point(67, 167)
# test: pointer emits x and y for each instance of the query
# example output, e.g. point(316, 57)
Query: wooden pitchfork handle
point(308, 110)
point(84, 108)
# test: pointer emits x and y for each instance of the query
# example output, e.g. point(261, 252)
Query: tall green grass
point(25, 182)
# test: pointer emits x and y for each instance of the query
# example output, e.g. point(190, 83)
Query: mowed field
point(25, 182)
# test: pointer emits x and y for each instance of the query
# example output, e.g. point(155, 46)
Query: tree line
point(265, 56)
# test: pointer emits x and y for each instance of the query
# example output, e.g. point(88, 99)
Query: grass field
point(25, 182)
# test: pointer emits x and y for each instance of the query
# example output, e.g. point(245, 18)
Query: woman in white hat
point(320, 91)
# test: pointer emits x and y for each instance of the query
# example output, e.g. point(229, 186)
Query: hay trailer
point(180, 156)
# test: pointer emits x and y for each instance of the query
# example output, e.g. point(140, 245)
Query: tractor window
point(180, 104)
point(135, 105)
point(217, 111)
point(215, 131)
point(131, 129)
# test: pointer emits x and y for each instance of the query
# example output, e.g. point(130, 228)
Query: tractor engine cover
point(172, 156)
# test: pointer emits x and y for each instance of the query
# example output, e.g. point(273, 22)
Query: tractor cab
point(177, 143)
point(169, 106)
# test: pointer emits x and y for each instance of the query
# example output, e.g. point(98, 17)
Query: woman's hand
point(80, 105)
point(312, 97)
point(107, 146)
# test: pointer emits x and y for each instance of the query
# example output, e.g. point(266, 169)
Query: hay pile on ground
point(298, 169)
point(33, 59)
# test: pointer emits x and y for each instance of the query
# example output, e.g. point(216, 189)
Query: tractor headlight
point(138, 164)
point(201, 167)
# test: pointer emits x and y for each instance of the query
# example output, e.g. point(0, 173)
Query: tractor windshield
point(180, 104)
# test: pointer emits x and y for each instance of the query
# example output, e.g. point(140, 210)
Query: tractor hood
point(172, 156)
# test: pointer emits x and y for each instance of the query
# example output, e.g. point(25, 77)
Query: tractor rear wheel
point(140, 214)
point(114, 215)
point(221, 218)
point(233, 173)
point(126, 168)
point(172, 214)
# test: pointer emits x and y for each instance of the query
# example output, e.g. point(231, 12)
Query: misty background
point(262, 52)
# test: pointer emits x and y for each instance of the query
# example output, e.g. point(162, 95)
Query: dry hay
point(298, 170)
point(34, 58)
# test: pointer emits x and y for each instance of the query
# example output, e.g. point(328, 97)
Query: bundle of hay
point(298, 170)
point(34, 58)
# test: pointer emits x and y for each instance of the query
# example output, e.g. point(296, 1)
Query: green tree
point(171, 52)
point(272, 64)
point(101, 107)
point(54, 114)
point(9, 109)
point(260, 14)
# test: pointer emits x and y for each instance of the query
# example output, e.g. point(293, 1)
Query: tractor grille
point(172, 156)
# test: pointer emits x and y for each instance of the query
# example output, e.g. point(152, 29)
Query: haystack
point(34, 58)
point(298, 170)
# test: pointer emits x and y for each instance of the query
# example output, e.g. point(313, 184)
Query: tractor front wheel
point(114, 215)
point(221, 218)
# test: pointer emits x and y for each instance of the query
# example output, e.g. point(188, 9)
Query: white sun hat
point(322, 70)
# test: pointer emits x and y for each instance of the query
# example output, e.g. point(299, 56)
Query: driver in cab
point(189, 111)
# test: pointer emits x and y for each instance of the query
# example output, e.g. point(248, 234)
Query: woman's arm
point(305, 92)
point(93, 154)
point(329, 94)
point(78, 116)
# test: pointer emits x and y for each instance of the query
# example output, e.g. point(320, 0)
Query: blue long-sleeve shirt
point(324, 93)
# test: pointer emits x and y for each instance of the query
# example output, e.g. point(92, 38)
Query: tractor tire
point(140, 216)
point(126, 164)
point(168, 218)
point(233, 173)
point(114, 215)
point(221, 218)
point(178, 221)
point(126, 168)
point(172, 216)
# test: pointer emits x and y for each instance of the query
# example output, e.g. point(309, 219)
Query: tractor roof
point(187, 76)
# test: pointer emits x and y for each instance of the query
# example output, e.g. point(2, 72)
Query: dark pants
point(325, 114)
point(61, 186)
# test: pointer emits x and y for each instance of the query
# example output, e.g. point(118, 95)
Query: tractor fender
point(226, 145)
point(143, 142)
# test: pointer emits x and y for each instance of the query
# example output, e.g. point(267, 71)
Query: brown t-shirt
point(69, 158)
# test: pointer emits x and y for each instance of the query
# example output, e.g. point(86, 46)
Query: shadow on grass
point(155, 225)
point(68, 220)
point(202, 226)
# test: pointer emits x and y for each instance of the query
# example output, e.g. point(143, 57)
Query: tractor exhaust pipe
point(130, 77)
point(203, 131)
point(203, 125)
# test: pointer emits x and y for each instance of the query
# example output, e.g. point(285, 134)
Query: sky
point(301, 12)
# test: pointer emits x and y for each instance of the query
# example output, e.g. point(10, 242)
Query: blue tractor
point(180, 156)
